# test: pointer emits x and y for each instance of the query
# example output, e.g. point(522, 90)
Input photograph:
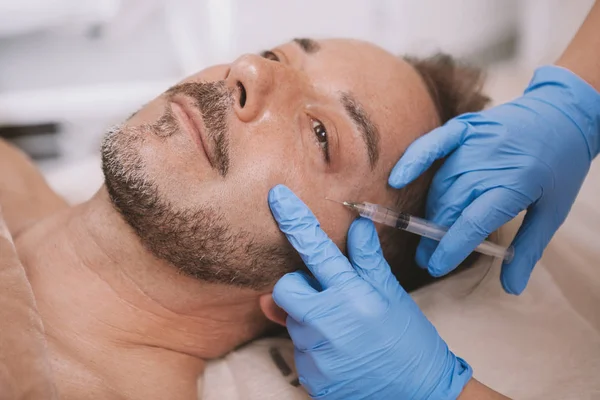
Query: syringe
point(422, 227)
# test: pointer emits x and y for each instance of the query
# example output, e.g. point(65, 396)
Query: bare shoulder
point(25, 197)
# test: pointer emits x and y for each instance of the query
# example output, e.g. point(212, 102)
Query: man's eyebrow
point(309, 46)
point(365, 125)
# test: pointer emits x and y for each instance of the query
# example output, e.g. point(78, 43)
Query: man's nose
point(252, 79)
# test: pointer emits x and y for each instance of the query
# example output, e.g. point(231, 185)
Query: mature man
point(163, 268)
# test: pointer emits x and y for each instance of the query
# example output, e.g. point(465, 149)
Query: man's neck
point(105, 299)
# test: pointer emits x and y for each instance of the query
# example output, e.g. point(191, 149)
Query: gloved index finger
point(302, 229)
point(424, 151)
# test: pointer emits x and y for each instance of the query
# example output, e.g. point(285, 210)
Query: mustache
point(214, 100)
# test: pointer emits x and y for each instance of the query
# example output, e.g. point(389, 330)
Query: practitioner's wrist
point(577, 101)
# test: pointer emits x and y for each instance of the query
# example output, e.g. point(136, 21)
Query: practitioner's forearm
point(475, 390)
point(582, 56)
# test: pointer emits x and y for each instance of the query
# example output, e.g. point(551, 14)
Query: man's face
point(192, 169)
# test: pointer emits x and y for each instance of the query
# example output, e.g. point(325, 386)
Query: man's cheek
point(261, 166)
point(246, 192)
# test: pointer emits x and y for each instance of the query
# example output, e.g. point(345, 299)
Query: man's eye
point(269, 55)
point(322, 139)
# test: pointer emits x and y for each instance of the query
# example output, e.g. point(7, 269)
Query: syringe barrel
point(424, 228)
point(436, 232)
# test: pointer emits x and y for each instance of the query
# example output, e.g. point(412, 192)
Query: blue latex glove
point(357, 334)
point(531, 153)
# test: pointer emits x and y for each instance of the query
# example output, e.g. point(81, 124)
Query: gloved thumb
point(366, 256)
point(295, 294)
point(531, 240)
point(425, 150)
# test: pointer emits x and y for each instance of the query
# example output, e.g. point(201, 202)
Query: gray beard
point(198, 242)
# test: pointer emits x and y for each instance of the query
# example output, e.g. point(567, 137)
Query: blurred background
point(71, 68)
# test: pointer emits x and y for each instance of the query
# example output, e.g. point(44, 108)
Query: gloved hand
point(357, 334)
point(531, 153)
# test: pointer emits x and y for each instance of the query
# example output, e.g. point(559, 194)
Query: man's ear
point(271, 310)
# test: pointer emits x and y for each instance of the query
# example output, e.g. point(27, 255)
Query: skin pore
point(123, 317)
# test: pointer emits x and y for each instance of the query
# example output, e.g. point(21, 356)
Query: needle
point(344, 203)
point(335, 201)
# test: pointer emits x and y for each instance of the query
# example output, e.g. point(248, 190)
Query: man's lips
point(191, 119)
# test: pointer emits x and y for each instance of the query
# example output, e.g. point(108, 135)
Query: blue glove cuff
point(578, 100)
point(452, 388)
